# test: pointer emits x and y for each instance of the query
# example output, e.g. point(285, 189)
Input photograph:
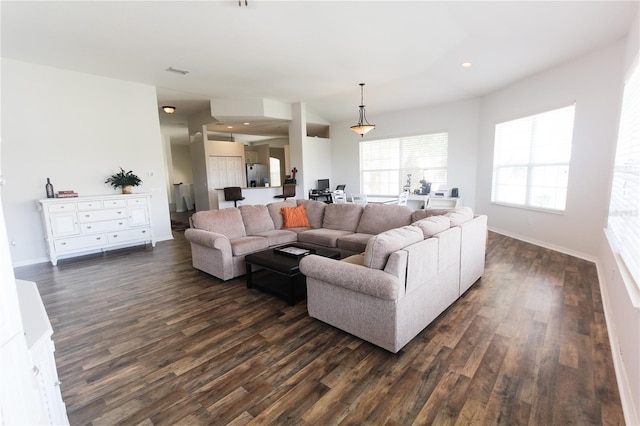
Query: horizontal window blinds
point(624, 207)
point(385, 164)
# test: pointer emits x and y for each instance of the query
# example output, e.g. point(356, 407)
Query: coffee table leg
point(249, 281)
point(292, 291)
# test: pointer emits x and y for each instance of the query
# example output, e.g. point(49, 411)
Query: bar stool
point(233, 193)
point(288, 191)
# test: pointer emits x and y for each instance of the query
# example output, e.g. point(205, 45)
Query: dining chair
point(338, 197)
point(403, 198)
point(359, 199)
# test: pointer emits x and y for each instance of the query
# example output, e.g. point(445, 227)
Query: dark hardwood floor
point(143, 338)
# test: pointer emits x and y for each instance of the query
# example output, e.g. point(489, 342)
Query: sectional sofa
point(220, 239)
point(399, 268)
point(403, 280)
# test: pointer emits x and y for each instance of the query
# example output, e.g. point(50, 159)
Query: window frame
point(531, 165)
point(402, 172)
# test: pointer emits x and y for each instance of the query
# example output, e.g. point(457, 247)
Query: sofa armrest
point(208, 239)
point(358, 278)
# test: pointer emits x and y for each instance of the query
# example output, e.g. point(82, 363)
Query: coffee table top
point(283, 263)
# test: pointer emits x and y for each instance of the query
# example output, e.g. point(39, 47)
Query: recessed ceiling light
point(466, 65)
point(229, 127)
point(246, 123)
point(169, 109)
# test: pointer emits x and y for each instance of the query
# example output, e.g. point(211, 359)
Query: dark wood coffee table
point(282, 265)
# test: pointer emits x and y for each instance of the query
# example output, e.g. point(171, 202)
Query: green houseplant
point(124, 180)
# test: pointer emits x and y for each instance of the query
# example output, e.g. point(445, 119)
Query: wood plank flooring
point(143, 338)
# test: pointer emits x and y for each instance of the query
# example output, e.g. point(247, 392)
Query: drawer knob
point(87, 215)
point(63, 244)
point(36, 370)
point(144, 232)
point(98, 238)
point(57, 383)
point(88, 227)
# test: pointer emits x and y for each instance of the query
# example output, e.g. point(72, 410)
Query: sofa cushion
point(382, 245)
point(295, 217)
point(227, 222)
point(279, 236)
point(342, 217)
point(256, 219)
point(315, 211)
point(377, 218)
point(322, 237)
point(421, 214)
point(245, 245)
point(354, 259)
point(274, 212)
point(433, 225)
point(460, 215)
point(356, 243)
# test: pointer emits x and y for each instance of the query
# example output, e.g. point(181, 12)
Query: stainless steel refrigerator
point(257, 174)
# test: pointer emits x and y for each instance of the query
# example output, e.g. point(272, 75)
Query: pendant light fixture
point(363, 125)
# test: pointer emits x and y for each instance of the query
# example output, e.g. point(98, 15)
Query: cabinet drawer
point(114, 203)
point(62, 207)
point(78, 243)
point(137, 202)
point(89, 205)
point(93, 216)
point(141, 234)
point(106, 225)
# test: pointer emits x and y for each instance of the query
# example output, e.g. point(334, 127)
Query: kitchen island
point(252, 195)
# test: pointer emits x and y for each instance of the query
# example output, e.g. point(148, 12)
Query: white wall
point(317, 163)
point(621, 296)
point(76, 129)
point(460, 119)
point(182, 172)
point(593, 82)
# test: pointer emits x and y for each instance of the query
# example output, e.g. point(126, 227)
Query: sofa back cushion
point(315, 211)
point(274, 212)
point(377, 218)
point(256, 219)
point(424, 213)
point(342, 217)
point(227, 222)
point(380, 246)
point(433, 225)
point(460, 215)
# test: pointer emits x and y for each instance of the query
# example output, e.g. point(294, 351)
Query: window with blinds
point(624, 207)
point(385, 164)
point(531, 160)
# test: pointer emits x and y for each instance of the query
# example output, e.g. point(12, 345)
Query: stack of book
point(67, 194)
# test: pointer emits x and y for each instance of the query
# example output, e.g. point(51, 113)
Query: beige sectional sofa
point(220, 239)
point(402, 281)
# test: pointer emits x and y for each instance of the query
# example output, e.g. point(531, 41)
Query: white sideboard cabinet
point(76, 226)
point(38, 332)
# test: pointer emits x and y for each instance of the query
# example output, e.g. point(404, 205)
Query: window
point(531, 160)
point(274, 174)
point(624, 207)
point(385, 164)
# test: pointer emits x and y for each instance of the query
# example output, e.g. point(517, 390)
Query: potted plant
point(124, 180)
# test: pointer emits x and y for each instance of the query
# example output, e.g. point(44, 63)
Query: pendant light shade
point(363, 125)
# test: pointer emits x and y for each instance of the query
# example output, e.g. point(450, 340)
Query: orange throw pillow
point(295, 217)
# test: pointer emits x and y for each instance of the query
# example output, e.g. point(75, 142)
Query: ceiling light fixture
point(466, 65)
point(177, 71)
point(169, 109)
point(363, 125)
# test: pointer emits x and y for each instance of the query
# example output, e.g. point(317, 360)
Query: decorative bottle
point(49, 189)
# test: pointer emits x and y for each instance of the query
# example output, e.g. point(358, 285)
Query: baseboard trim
point(545, 244)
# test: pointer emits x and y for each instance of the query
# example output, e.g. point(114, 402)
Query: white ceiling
point(316, 52)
